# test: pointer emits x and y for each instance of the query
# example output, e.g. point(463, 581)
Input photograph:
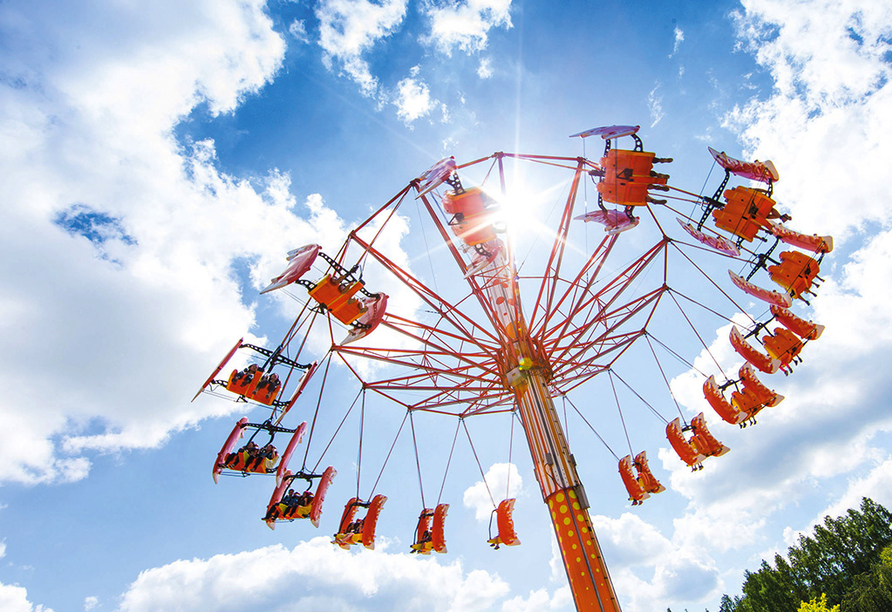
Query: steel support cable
point(398, 198)
point(620, 410)
point(510, 449)
point(646, 403)
point(327, 360)
point(390, 452)
point(399, 202)
point(359, 453)
point(334, 435)
point(427, 248)
point(696, 333)
point(703, 306)
point(594, 431)
point(566, 423)
point(714, 284)
point(479, 466)
point(706, 181)
point(417, 459)
point(300, 349)
point(666, 380)
point(448, 461)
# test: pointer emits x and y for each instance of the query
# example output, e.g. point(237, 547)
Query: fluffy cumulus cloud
point(349, 28)
point(540, 600)
point(465, 23)
point(120, 246)
point(829, 63)
point(650, 569)
point(15, 599)
point(328, 579)
point(413, 99)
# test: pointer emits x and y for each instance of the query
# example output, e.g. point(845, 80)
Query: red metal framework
point(470, 347)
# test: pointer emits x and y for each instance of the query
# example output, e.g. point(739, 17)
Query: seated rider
point(268, 386)
point(265, 456)
point(305, 498)
point(250, 449)
point(243, 377)
point(291, 498)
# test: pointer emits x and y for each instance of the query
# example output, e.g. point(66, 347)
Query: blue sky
point(158, 162)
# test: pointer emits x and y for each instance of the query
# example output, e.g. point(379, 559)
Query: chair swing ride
point(479, 352)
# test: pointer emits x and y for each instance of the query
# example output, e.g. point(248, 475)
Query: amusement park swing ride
point(506, 339)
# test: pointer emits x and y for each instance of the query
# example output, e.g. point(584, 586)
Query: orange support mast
point(526, 372)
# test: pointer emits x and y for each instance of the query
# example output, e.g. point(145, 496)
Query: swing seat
point(807, 330)
point(265, 392)
point(423, 538)
point(467, 203)
point(815, 243)
point(618, 161)
point(472, 221)
point(754, 387)
point(371, 521)
point(763, 362)
point(684, 449)
point(796, 272)
point(438, 537)
point(746, 211)
point(705, 443)
point(242, 461)
point(234, 435)
point(783, 346)
point(339, 301)
point(319, 498)
point(772, 297)
point(755, 395)
point(246, 384)
point(344, 537)
point(648, 481)
point(505, 522)
point(730, 413)
point(637, 494)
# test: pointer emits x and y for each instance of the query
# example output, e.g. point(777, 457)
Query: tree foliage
point(818, 604)
point(843, 562)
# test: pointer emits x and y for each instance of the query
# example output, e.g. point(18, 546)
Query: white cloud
point(828, 62)
point(540, 599)
point(349, 28)
point(679, 38)
point(502, 481)
point(130, 237)
point(413, 100)
point(90, 603)
point(655, 105)
point(680, 570)
point(877, 485)
point(465, 23)
point(298, 29)
point(330, 579)
point(484, 69)
point(15, 599)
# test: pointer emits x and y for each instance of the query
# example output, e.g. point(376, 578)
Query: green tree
point(817, 604)
point(872, 590)
point(841, 559)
